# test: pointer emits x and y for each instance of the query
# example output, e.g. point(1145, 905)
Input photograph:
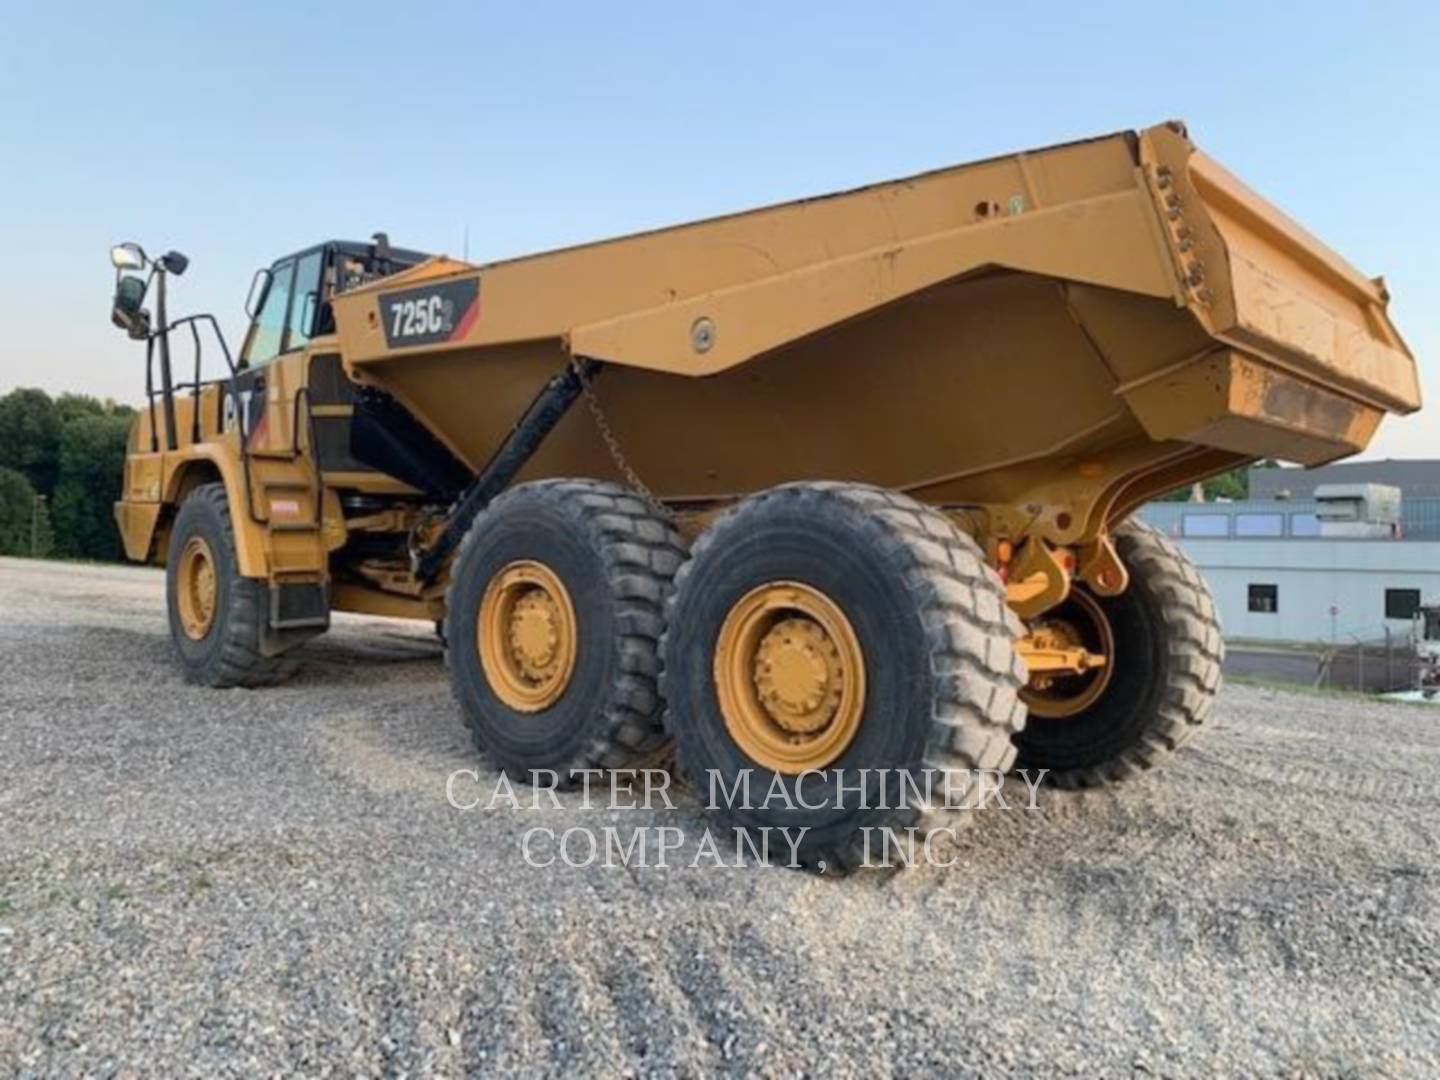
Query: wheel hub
point(1078, 623)
point(535, 633)
point(1057, 634)
point(197, 588)
point(526, 636)
point(790, 677)
point(798, 674)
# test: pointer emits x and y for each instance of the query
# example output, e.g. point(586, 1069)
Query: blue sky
point(239, 132)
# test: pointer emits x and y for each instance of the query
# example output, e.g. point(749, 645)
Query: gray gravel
point(206, 882)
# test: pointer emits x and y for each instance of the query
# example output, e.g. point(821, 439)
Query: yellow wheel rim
point(196, 588)
point(790, 677)
point(526, 636)
point(1077, 623)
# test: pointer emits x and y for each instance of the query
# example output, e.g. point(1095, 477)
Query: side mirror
point(127, 312)
point(127, 256)
point(259, 286)
point(174, 262)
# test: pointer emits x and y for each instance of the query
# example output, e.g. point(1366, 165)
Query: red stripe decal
point(467, 320)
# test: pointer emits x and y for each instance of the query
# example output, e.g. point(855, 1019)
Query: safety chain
point(612, 443)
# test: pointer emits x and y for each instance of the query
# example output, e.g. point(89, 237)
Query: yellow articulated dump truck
point(839, 486)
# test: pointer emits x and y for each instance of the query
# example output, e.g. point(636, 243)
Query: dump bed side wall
point(1074, 211)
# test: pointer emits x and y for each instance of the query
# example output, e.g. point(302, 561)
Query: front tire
point(215, 614)
point(1164, 673)
point(792, 601)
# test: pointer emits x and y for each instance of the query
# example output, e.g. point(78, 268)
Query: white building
point(1276, 578)
point(1317, 590)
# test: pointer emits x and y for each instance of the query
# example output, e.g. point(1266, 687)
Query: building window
point(1206, 524)
point(1265, 599)
point(1401, 603)
point(1259, 525)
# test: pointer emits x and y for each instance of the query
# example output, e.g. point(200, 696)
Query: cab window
point(307, 300)
point(269, 329)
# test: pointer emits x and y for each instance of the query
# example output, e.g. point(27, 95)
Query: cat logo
point(244, 408)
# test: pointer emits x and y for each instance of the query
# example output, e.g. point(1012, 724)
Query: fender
point(188, 472)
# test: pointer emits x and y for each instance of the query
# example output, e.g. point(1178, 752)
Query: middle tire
point(830, 626)
point(553, 618)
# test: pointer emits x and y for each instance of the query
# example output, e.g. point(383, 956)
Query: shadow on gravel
point(349, 658)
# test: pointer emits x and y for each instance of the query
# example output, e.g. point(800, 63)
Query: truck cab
point(269, 430)
point(290, 301)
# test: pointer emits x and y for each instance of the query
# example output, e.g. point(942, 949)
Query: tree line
point(61, 466)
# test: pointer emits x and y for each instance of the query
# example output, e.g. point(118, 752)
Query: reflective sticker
point(1017, 204)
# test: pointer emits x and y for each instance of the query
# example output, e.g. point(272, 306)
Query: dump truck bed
point(1049, 337)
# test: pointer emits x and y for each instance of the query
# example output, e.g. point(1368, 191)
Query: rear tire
point(1166, 672)
point(575, 575)
point(937, 661)
point(218, 643)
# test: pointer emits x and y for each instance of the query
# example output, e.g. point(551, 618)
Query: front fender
point(203, 464)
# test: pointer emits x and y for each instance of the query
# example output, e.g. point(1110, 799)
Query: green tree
point(1233, 485)
point(30, 427)
point(92, 462)
point(24, 519)
point(74, 406)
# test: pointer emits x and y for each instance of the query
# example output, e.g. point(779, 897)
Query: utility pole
point(35, 525)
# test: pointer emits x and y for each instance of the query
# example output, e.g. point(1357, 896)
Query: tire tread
point(241, 663)
point(1196, 654)
point(640, 552)
point(975, 671)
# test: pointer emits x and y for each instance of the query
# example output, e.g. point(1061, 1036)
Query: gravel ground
point(209, 882)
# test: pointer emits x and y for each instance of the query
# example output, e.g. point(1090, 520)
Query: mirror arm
point(150, 393)
point(167, 381)
point(195, 390)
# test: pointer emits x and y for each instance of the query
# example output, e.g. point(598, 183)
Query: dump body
point(1043, 340)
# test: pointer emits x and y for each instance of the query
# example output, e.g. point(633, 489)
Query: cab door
point(273, 360)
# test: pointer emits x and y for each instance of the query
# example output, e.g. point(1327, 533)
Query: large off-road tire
point(553, 621)
point(885, 592)
point(1165, 673)
point(214, 612)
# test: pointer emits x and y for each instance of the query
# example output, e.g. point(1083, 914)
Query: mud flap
point(297, 612)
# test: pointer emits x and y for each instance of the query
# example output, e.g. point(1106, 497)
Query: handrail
point(193, 322)
point(295, 452)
